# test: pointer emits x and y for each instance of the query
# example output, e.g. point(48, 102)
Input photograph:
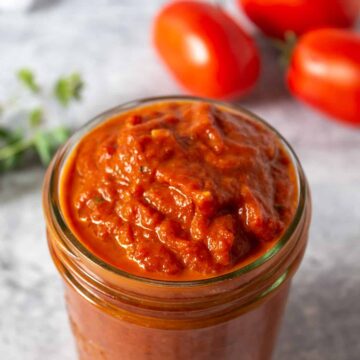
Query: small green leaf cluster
point(15, 144)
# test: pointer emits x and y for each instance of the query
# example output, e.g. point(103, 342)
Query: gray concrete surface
point(108, 41)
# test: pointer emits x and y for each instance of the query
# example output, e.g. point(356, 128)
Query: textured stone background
point(108, 41)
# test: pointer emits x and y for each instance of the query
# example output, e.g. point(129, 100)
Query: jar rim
point(60, 158)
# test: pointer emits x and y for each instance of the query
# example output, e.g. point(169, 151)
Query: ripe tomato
point(325, 72)
point(205, 49)
point(275, 17)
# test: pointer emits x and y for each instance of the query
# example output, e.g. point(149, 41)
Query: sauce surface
point(179, 190)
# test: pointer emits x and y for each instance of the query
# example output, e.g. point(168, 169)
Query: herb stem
point(15, 148)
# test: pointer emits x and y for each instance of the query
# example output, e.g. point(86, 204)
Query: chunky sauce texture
point(179, 190)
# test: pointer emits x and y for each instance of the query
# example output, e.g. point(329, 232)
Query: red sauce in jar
point(179, 190)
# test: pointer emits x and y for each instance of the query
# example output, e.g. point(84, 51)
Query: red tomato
point(325, 72)
point(275, 17)
point(205, 49)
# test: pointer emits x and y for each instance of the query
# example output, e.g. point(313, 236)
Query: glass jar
point(116, 315)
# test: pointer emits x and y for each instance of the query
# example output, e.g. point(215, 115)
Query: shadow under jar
point(115, 314)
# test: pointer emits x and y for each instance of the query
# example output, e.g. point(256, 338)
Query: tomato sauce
point(179, 190)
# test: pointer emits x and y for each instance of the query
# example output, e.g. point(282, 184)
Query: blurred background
point(108, 43)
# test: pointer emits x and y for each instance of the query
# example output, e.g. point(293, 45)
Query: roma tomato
point(276, 17)
point(205, 49)
point(324, 72)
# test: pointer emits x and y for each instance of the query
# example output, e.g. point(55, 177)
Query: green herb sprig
point(68, 88)
point(33, 138)
point(43, 142)
point(27, 77)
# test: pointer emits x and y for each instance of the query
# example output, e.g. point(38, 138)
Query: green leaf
point(59, 135)
point(36, 117)
point(69, 88)
point(27, 78)
point(46, 143)
point(43, 147)
point(5, 133)
point(12, 153)
point(11, 162)
point(8, 136)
